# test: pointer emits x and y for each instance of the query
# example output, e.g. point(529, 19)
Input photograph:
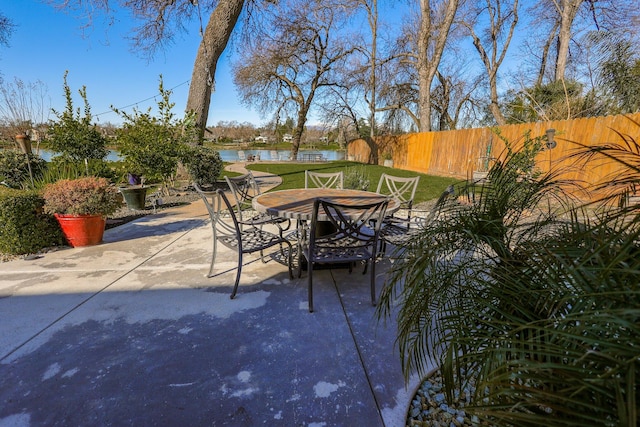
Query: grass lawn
point(292, 174)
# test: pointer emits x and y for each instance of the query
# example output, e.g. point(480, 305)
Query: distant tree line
point(371, 67)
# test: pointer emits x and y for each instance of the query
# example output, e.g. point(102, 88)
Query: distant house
point(287, 137)
point(262, 139)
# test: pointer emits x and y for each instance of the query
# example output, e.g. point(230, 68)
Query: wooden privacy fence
point(459, 153)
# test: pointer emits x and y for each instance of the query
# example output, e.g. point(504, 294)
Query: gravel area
point(177, 198)
point(430, 408)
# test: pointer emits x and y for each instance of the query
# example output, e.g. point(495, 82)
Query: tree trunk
point(219, 28)
point(427, 66)
point(568, 11)
point(494, 105)
point(545, 54)
point(297, 132)
point(424, 80)
point(373, 23)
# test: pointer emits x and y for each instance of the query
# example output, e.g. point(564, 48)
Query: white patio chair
point(398, 233)
point(285, 156)
point(323, 179)
point(403, 190)
point(244, 188)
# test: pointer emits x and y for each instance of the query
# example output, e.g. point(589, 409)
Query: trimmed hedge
point(24, 227)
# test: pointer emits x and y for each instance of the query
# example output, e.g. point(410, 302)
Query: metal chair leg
point(290, 261)
point(235, 287)
point(310, 284)
point(213, 258)
point(373, 282)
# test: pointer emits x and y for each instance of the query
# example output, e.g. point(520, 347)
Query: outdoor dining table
point(297, 203)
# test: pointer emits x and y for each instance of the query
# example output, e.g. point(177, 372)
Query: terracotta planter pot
point(82, 230)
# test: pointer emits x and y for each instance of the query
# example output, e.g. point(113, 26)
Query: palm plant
point(531, 299)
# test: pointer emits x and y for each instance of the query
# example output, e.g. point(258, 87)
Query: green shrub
point(356, 178)
point(24, 227)
point(152, 145)
point(204, 164)
point(14, 170)
point(74, 135)
point(82, 196)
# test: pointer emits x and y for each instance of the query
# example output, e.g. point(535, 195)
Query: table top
point(298, 203)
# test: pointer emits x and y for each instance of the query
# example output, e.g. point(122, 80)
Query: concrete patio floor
point(132, 332)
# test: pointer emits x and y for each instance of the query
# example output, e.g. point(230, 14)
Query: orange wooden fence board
point(459, 152)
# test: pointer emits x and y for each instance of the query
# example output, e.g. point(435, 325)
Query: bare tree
point(406, 83)
point(436, 19)
point(565, 19)
point(567, 11)
point(24, 108)
point(501, 18)
point(6, 28)
point(214, 40)
point(355, 95)
point(296, 57)
point(371, 8)
point(398, 85)
point(161, 20)
point(454, 105)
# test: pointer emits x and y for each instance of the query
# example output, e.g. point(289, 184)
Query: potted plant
point(80, 206)
point(152, 147)
point(387, 157)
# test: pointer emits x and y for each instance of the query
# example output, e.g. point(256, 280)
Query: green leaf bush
point(153, 145)
point(14, 170)
point(356, 178)
point(24, 227)
point(204, 165)
point(528, 294)
point(74, 135)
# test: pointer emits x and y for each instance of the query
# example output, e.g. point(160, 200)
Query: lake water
point(113, 155)
point(232, 155)
point(265, 155)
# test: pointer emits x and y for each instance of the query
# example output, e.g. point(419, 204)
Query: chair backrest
point(401, 189)
point(243, 188)
point(353, 225)
point(241, 156)
point(323, 179)
point(219, 207)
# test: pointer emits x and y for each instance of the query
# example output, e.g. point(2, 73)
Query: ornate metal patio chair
point(403, 190)
point(242, 237)
point(244, 188)
point(398, 233)
point(323, 179)
point(352, 239)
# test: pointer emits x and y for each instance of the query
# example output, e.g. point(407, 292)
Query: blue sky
point(46, 42)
